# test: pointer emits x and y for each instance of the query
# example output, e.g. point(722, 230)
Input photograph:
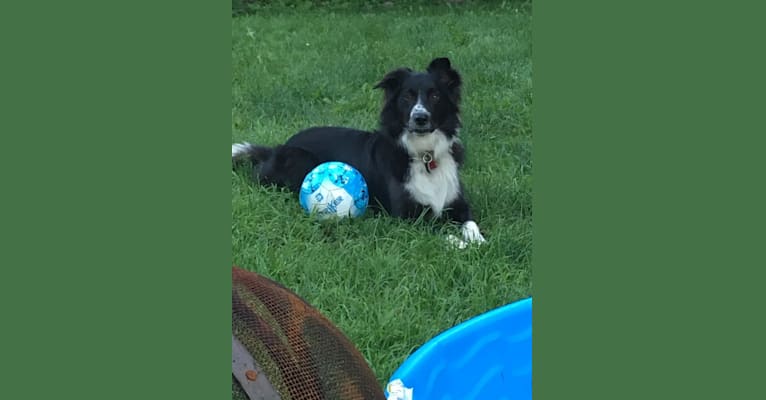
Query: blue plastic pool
point(488, 357)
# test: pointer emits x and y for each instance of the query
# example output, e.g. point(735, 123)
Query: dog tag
point(429, 162)
point(431, 165)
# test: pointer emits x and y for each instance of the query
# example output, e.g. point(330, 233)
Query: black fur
point(380, 156)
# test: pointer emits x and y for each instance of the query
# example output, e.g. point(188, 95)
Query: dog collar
point(428, 160)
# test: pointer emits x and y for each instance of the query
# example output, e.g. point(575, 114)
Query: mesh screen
point(301, 352)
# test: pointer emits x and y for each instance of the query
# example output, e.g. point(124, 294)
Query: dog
point(410, 163)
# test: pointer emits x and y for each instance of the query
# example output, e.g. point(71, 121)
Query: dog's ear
point(446, 75)
point(393, 81)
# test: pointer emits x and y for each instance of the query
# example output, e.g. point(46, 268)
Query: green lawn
point(390, 285)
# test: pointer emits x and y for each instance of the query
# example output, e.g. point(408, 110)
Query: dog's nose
point(420, 118)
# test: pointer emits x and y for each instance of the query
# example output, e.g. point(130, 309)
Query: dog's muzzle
point(420, 120)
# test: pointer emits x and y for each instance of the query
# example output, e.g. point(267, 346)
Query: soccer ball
point(334, 189)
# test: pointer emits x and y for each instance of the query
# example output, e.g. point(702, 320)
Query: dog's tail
point(248, 151)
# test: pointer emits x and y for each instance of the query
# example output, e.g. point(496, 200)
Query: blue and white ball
point(334, 189)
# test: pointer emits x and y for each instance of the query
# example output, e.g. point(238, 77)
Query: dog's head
point(419, 103)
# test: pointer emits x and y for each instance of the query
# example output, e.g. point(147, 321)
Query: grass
point(390, 285)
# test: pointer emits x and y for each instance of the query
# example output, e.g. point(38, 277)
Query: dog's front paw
point(238, 150)
point(471, 233)
point(456, 242)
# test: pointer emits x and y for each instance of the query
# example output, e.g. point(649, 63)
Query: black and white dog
point(410, 164)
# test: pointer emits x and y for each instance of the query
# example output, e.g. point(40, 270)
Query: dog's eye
point(409, 96)
point(435, 96)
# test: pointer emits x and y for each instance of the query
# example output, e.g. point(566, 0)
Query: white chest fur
point(439, 187)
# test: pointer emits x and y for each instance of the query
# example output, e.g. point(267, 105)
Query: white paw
point(471, 233)
point(454, 241)
point(238, 149)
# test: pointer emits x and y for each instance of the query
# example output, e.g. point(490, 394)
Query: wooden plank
point(249, 374)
